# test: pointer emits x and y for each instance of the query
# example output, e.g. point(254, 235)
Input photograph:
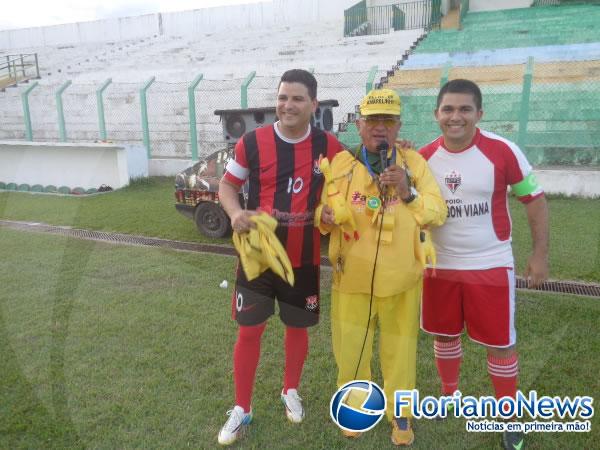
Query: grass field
point(107, 346)
point(146, 208)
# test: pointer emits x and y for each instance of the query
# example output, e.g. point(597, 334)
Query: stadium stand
point(561, 115)
point(342, 66)
point(515, 28)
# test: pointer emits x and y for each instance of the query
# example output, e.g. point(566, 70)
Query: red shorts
point(484, 300)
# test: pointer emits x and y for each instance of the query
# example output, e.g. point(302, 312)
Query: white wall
point(73, 165)
point(580, 183)
point(118, 29)
point(493, 5)
point(194, 22)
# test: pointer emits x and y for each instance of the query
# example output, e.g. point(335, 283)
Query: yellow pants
point(398, 320)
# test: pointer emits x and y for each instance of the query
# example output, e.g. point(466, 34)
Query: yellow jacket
point(399, 266)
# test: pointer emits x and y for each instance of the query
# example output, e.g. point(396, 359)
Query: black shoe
point(513, 440)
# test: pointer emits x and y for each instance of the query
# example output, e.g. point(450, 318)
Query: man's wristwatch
point(413, 194)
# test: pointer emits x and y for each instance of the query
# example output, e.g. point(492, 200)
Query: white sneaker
point(234, 426)
point(294, 410)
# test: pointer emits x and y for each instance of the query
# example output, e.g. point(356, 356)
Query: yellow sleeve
point(323, 228)
point(429, 208)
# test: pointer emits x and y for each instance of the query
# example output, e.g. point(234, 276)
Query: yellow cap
point(381, 101)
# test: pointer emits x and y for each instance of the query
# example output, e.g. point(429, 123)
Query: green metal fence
point(171, 119)
point(355, 19)
point(464, 9)
point(360, 19)
point(549, 109)
point(545, 2)
point(565, 2)
point(404, 16)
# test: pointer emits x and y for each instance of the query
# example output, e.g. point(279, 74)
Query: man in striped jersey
point(474, 283)
point(280, 163)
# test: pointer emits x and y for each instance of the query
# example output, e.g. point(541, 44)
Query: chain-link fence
point(549, 109)
point(168, 109)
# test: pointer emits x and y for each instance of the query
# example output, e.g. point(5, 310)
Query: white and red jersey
point(474, 182)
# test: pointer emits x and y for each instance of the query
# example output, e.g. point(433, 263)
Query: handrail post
point(524, 111)
point(22, 66)
point(192, 109)
point(144, 108)
point(244, 89)
point(61, 115)
point(370, 79)
point(445, 73)
point(26, 113)
point(12, 70)
point(8, 66)
point(100, 104)
point(37, 67)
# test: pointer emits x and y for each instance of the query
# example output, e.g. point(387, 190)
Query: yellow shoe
point(351, 434)
point(402, 433)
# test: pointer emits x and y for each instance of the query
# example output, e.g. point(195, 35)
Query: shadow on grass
point(31, 421)
point(24, 418)
point(74, 261)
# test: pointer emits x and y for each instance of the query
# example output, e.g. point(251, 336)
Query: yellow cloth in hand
point(259, 250)
point(425, 249)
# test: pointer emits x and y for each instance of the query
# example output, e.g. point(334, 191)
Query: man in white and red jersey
point(280, 163)
point(474, 283)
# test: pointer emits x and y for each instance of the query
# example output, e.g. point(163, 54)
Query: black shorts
point(253, 302)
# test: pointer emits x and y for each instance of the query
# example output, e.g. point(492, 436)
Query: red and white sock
point(296, 349)
point(504, 372)
point(246, 354)
point(448, 356)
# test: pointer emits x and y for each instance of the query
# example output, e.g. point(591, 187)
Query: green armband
point(527, 186)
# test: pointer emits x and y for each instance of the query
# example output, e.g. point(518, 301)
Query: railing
point(355, 19)
point(16, 68)
point(546, 2)
point(404, 16)
point(547, 108)
point(155, 113)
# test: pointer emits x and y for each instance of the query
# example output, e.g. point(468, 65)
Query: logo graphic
point(312, 302)
point(453, 180)
point(358, 198)
point(316, 167)
point(365, 393)
point(239, 301)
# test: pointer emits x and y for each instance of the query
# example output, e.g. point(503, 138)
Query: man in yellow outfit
point(378, 277)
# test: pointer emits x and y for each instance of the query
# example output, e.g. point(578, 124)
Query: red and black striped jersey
point(284, 180)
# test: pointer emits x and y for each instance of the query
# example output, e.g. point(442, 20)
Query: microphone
point(383, 151)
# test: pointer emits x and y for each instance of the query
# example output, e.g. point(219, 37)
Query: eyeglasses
point(388, 122)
